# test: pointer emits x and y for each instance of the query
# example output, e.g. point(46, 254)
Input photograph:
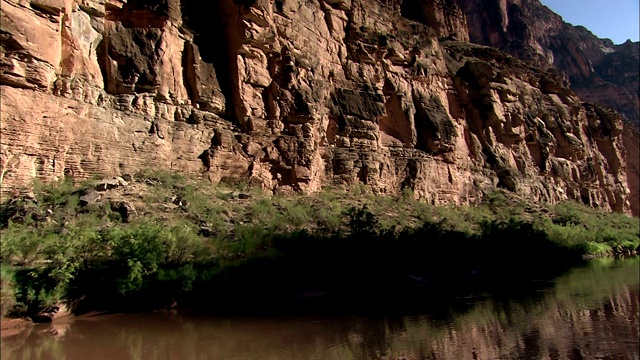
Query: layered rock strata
point(294, 96)
point(599, 70)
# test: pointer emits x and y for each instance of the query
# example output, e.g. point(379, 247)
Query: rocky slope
point(295, 95)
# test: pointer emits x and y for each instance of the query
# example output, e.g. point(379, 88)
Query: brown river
point(590, 312)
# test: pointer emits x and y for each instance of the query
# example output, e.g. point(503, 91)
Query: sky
point(613, 19)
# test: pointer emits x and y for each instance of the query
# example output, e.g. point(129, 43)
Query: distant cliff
point(294, 95)
point(599, 71)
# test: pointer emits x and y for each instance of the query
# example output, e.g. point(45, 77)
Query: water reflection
point(589, 313)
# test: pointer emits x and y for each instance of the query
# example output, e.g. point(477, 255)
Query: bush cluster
point(190, 239)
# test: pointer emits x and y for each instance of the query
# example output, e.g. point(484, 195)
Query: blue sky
point(613, 19)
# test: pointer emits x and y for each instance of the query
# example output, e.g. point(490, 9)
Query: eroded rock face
point(631, 142)
point(599, 70)
point(294, 96)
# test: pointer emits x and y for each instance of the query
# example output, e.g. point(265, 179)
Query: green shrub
point(160, 178)
point(596, 248)
point(54, 192)
point(20, 245)
point(297, 213)
point(578, 225)
point(361, 221)
point(7, 289)
point(188, 232)
point(181, 278)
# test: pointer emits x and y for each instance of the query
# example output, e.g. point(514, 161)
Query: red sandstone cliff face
point(599, 70)
point(631, 143)
point(294, 96)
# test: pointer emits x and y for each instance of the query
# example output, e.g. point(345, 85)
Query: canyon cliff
point(599, 71)
point(296, 95)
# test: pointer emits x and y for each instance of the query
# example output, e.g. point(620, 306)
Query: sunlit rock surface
point(296, 96)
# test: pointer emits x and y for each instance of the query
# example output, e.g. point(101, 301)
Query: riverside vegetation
point(161, 238)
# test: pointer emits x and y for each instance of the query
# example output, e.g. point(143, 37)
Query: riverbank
point(591, 310)
point(157, 240)
point(12, 326)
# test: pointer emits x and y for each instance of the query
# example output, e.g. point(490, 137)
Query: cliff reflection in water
point(591, 312)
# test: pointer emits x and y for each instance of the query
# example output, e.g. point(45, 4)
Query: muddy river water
point(589, 312)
